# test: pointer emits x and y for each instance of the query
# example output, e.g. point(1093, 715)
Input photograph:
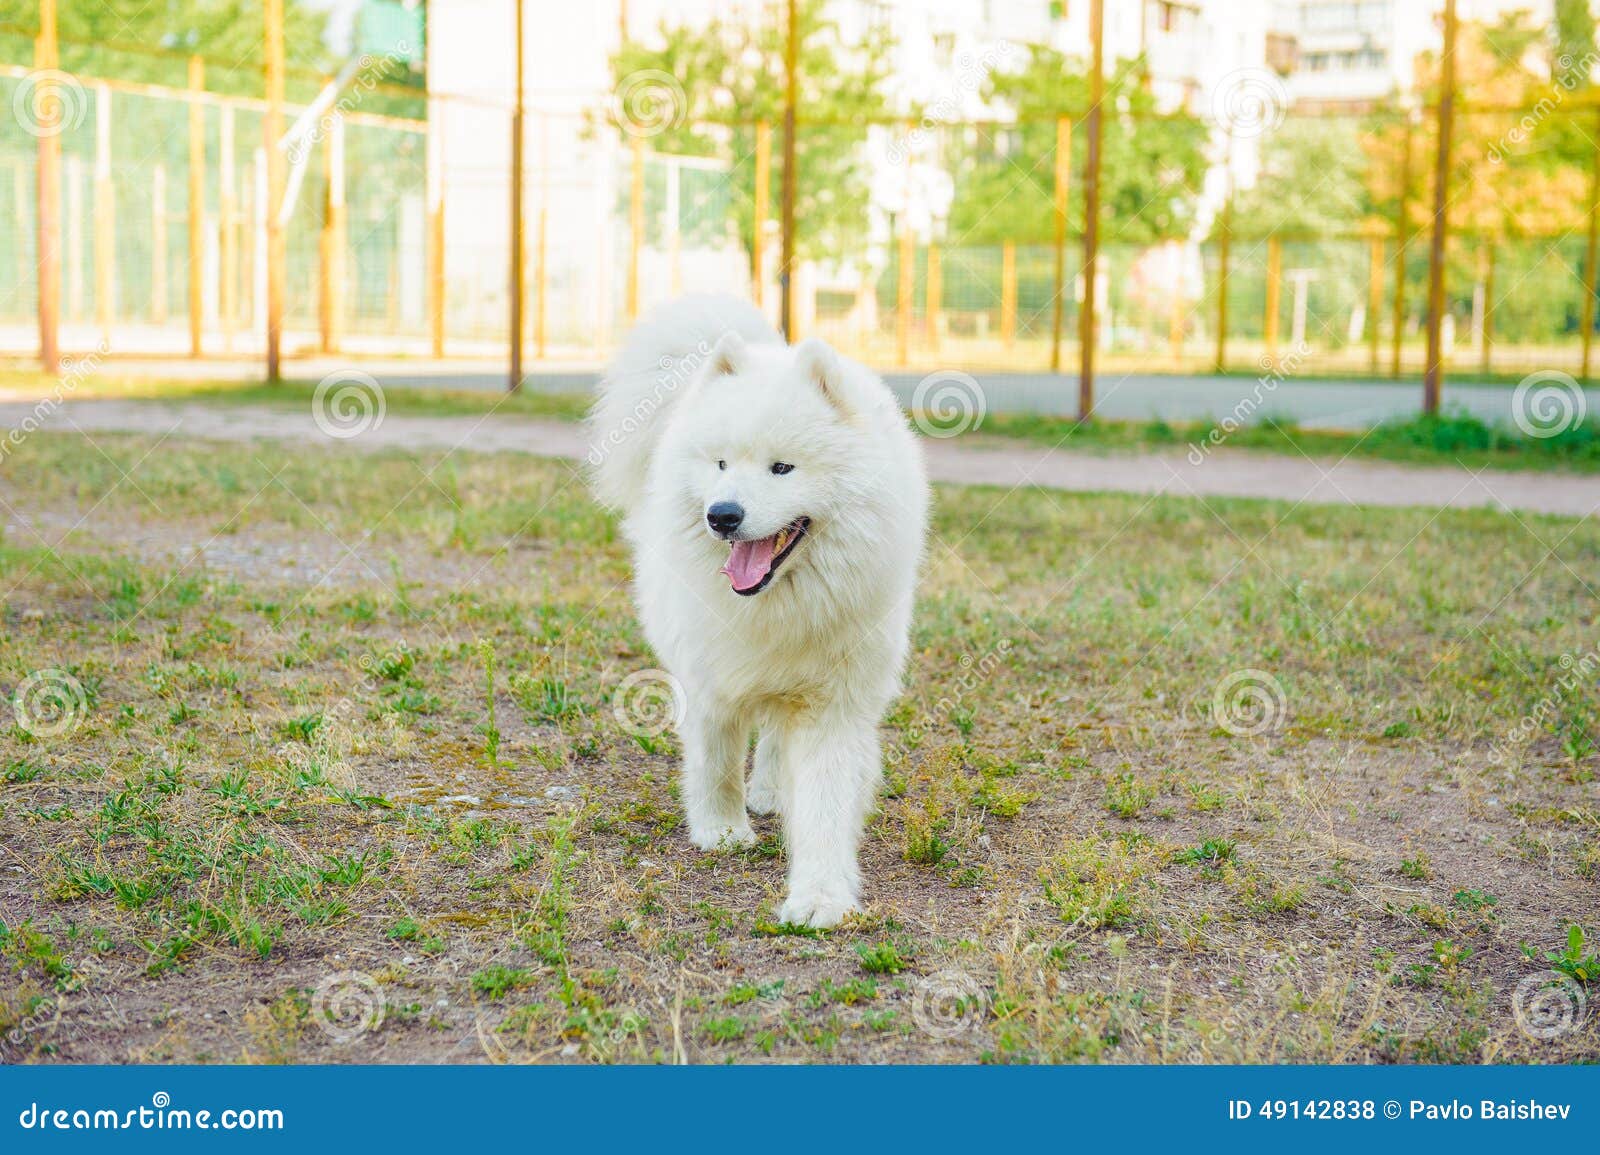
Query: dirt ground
point(322, 756)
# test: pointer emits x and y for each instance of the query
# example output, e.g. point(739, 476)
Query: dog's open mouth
point(752, 563)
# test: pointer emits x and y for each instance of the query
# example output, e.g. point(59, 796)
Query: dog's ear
point(727, 355)
point(819, 364)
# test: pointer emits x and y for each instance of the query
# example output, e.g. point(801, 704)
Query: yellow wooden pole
point(635, 227)
point(1488, 306)
point(197, 203)
point(758, 273)
point(519, 241)
point(105, 233)
point(434, 196)
point(1402, 239)
point(1375, 259)
point(1433, 372)
point(1008, 294)
point(1274, 285)
point(1063, 175)
point(272, 133)
point(228, 225)
point(1175, 313)
point(332, 242)
point(1591, 260)
point(907, 290)
point(48, 217)
point(158, 244)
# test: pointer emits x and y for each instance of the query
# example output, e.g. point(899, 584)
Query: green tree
point(1575, 39)
point(115, 39)
point(724, 78)
point(1152, 163)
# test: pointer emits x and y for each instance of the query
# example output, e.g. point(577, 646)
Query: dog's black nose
point(725, 516)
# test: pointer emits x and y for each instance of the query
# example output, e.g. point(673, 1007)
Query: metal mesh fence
point(939, 246)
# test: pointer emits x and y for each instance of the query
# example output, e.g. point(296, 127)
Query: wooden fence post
point(935, 291)
point(1375, 249)
point(48, 216)
point(158, 244)
point(1062, 185)
point(197, 204)
point(1274, 285)
point(758, 272)
point(105, 208)
point(1008, 294)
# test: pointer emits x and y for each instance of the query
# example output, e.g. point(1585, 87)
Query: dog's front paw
point(723, 837)
point(823, 909)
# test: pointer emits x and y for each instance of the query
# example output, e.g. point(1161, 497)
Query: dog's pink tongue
point(749, 562)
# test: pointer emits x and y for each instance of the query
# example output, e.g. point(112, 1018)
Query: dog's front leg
point(713, 779)
point(831, 767)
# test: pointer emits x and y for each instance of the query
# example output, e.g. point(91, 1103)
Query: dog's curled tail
point(661, 357)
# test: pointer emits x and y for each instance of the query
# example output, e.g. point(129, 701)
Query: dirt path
point(1224, 473)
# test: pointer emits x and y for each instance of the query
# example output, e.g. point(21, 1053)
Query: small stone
point(570, 1050)
point(560, 794)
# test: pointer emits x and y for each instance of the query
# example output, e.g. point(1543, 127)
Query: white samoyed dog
point(776, 504)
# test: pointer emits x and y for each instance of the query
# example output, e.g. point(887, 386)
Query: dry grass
point(285, 825)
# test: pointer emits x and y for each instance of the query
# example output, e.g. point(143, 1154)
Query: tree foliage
point(1152, 163)
point(726, 76)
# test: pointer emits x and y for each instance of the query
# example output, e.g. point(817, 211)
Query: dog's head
point(763, 451)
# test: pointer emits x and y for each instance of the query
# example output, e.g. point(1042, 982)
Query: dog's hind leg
point(831, 766)
point(714, 746)
point(766, 780)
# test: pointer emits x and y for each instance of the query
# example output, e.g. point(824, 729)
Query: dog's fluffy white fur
point(702, 402)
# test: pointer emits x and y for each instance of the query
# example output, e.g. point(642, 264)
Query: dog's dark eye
point(781, 467)
point(722, 465)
